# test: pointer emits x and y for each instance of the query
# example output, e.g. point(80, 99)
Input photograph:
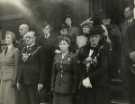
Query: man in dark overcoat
point(129, 21)
point(131, 62)
point(31, 71)
point(48, 39)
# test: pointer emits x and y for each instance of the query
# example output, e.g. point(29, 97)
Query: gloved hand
point(86, 83)
point(132, 56)
point(18, 85)
point(40, 86)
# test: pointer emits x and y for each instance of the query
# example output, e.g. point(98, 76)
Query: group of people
point(69, 67)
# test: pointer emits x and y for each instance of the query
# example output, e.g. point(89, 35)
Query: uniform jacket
point(98, 70)
point(31, 71)
point(64, 74)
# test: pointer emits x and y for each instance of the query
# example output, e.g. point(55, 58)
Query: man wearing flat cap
point(93, 59)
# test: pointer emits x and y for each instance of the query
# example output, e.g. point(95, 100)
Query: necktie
point(6, 50)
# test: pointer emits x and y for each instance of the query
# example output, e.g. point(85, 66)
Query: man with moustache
point(31, 70)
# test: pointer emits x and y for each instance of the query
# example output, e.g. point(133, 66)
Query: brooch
point(25, 57)
point(69, 59)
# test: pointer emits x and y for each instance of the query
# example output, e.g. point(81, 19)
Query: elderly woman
point(64, 74)
point(8, 62)
point(93, 60)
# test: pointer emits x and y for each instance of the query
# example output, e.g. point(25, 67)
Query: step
point(119, 101)
point(116, 82)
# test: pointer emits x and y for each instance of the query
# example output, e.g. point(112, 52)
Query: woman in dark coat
point(64, 74)
point(93, 59)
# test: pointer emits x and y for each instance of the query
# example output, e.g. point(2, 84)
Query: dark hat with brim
point(97, 30)
point(86, 25)
point(64, 26)
point(65, 38)
point(96, 20)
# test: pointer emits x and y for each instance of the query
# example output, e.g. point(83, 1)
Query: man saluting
point(31, 72)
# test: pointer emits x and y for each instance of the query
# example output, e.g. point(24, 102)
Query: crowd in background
point(71, 66)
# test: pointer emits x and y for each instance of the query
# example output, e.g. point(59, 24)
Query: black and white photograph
point(67, 51)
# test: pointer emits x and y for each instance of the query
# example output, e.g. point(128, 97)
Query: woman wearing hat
point(64, 74)
point(93, 60)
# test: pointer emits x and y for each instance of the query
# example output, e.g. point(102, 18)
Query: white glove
point(132, 56)
point(40, 86)
point(25, 57)
point(88, 59)
point(18, 86)
point(86, 83)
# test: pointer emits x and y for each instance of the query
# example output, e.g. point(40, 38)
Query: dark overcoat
point(32, 71)
point(97, 72)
